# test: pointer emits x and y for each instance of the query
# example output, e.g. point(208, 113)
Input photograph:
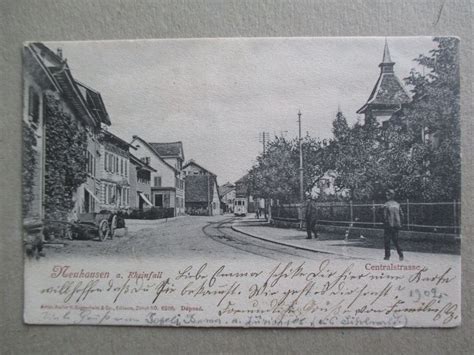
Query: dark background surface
point(22, 20)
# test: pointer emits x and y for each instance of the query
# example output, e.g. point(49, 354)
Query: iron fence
point(437, 217)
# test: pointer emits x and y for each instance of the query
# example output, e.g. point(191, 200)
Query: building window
point(126, 168)
point(111, 194)
point(33, 105)
point(157, 181)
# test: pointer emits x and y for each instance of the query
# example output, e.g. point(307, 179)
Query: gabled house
point(140, 184)
point(167, 186)
point(388, 95)
point(114, 172)
point(202, 190)
point(173, 154)
point(38, 81)
point(55, 89)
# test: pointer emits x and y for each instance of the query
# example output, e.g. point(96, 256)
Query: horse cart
point(101, 225)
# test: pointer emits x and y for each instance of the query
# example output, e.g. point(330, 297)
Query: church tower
point(388, 95)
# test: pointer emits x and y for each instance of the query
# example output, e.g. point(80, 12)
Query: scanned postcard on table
point(246, 182)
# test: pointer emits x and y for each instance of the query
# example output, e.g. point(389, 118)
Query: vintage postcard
point(244, 182)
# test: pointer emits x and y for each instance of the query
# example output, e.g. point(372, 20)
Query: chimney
point(59, 52)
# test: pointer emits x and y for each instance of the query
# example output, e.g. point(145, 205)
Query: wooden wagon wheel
point(104, 230)
point(113, 226)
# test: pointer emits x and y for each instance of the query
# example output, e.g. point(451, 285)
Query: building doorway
point(87, 206)
point(159, 200)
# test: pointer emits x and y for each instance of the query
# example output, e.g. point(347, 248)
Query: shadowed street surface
point(183, 238)
point(226, 237)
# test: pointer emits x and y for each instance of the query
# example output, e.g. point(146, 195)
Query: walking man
point(311, 217)
point(393, 216)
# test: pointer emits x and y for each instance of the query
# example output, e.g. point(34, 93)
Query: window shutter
point(33, 104)
point(30, 101)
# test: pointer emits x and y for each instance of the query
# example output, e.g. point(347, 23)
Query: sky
point(217, 95)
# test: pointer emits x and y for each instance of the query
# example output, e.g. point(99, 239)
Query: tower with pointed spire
point(388, 95)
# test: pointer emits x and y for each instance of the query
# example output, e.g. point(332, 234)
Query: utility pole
point(263, 138)
point(301, 169)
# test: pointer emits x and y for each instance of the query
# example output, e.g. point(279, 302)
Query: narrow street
point(181, 238)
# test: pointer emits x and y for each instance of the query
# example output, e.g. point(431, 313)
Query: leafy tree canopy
point(417, 153)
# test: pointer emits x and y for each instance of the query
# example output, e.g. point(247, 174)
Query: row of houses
point(121, 175)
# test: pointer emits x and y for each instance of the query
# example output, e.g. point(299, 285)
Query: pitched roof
point(169, 149)
point(226, 188)
point(199, 188)
point(140, 163)
point(154, 151)
point(388, 90)
point(110, 137)
point(242, 179)
point(192, 162)
point(94, 102)
point(84, 99)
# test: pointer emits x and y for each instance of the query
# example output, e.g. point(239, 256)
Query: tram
point(240, 206)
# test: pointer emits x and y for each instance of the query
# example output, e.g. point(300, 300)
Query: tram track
point(234, 239)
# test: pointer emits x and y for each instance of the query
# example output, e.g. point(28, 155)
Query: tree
point(433, 121)
point(418, 153)
point(276, 174)
point(340, 128)
point(356, 160)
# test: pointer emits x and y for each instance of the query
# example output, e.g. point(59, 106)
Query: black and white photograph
point(243, 182)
